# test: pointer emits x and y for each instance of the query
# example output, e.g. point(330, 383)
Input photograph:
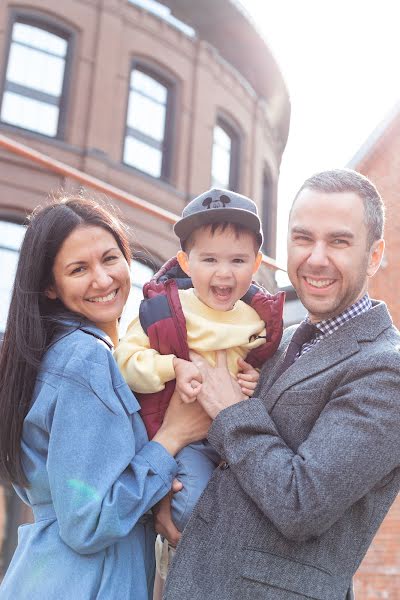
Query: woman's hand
point(247, 377)
point(163, 522)
point(183, 424)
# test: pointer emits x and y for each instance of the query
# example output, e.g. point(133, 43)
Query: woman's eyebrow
point(82, 262)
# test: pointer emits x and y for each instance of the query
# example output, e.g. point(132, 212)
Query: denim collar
point(71, 323)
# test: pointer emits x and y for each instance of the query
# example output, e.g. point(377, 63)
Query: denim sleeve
point(101, 479)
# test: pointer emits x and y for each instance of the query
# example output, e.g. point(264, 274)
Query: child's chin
point(224, 305)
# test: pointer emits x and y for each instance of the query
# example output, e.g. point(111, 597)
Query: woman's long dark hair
point(32, 318)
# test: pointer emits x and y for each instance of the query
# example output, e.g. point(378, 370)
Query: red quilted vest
point(163, 321)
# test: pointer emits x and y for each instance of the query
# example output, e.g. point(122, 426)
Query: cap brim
point(187, 225)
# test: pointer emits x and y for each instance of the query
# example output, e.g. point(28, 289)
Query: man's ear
point(183, 261)
point(257, 262)
point(50, 293)
point(375, 257)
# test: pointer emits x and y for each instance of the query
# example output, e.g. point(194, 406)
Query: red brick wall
point(382, 166)
point(379, 575)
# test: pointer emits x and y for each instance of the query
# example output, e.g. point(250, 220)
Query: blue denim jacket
point(93, 476)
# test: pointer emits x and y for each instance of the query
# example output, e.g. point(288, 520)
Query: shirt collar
point(71, 323)
point(328, 326)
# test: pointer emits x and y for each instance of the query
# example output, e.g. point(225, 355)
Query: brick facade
point(211, 79)
point(379, 575)
point(382, 166)
point(107, 38)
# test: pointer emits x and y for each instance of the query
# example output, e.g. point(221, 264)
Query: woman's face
point(91, 276)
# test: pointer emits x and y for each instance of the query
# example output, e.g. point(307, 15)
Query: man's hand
point(247, 377)
point(188, 379)
point(163, 522)
point(219, 389)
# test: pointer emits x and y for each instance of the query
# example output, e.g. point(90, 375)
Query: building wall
point(106, 37)
point(382, 166)
point(379, 575)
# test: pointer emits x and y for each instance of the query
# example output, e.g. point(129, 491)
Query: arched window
point(34, 86)
point(11, 236)
point(225, 156)
point(148, 138)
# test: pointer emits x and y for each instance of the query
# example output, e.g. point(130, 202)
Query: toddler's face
point(221, 266)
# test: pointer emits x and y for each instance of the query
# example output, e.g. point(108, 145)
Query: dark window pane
point(268, 217)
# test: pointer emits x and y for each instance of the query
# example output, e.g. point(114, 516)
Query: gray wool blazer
point(312, 469)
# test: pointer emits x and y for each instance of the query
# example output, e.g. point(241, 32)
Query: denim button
point(224, 465)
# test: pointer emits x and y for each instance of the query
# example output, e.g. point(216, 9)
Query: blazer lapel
point(338, 346)
point(324, 355)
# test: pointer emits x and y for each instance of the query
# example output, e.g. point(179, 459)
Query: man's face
point(329, 261)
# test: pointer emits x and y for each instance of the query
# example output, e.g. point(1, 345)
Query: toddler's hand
point(247, 377)
point(188, 379)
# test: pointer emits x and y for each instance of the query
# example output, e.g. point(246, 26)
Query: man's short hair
point(347, 180)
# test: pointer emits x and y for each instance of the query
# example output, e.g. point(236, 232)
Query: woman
point(71, 439)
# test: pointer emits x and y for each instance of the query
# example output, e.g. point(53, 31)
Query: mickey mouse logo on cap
point(215, 202)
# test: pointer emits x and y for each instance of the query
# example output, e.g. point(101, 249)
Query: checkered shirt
point(328, 326)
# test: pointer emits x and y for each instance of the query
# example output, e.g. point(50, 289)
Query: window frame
point(234, 132)
point(168, 143)
point(269, 213)
point(60, 29)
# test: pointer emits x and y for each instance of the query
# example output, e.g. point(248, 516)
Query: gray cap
point(218, 206)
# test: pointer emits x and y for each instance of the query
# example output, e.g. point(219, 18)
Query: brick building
point(159, 100)
point(379, 159)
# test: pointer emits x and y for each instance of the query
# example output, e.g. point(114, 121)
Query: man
point(311, 462)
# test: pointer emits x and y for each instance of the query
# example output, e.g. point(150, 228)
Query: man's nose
point(319, 255)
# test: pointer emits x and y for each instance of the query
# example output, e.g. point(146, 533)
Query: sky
point(341, 64)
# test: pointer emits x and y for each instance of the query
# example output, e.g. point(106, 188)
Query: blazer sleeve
point(353, 446)
point(144, 369)
point(101, 479)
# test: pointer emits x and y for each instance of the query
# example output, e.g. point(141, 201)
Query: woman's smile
point(104, 299)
